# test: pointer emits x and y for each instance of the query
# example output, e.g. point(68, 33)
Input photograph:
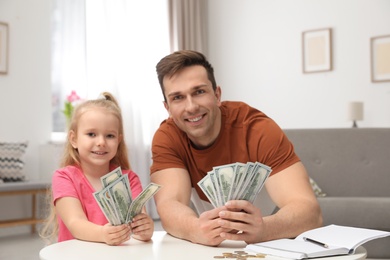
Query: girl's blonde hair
point(70, 156)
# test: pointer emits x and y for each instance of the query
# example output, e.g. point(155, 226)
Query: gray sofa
point(352, 166)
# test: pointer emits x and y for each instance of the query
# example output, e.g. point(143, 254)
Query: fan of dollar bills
point(236, 181)
point(115, 197)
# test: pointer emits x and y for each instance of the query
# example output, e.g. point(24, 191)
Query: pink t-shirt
point(71, 182)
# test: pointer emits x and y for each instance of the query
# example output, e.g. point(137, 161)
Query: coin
point(239, 255)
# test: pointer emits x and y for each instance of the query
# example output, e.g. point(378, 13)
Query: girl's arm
point(70, 211)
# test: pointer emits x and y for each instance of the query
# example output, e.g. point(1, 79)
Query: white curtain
point(124, 40)
point(114, 45)
point(68, 55)
point(187, 25)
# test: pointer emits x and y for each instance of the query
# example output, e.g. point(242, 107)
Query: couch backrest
point(346, 162)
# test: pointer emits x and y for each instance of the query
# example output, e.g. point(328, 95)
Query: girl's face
point(97, 138)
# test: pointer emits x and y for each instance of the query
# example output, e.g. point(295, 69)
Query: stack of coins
point(239, 255)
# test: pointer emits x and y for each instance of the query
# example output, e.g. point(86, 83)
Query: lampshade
point(355, 111)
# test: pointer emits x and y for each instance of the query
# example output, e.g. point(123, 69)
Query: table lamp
point(355, 112)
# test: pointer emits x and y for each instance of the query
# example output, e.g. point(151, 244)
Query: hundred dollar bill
point(225, 174)
point(238, 174)
point(139, 202)
point(241, 187)
point(120, 193)
point(111, 177)
point(107, 197)
point(207, 186)
point(215, 180)
point(264, 172)
point(106, 209)
point(236, 181)
point(115, 198)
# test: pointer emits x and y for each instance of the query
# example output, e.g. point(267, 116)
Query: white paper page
point(300, 247)
point(342, 236)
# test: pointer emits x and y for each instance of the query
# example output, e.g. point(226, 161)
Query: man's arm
point(177, 217)
point(299, 210)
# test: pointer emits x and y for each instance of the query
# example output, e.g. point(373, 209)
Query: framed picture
point(380, 58)
point(317, 50)
point(3, 48)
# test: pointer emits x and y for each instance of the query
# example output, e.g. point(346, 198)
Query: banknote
point(225, 175)
point(207, 186)
point(115, 199)
point(139, 202)
point(111, 177)
point(120, 193)
point(235, 181)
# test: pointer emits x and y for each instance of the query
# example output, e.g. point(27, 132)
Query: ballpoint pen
point(315, 242)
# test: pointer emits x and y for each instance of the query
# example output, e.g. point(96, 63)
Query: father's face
point(194, 105)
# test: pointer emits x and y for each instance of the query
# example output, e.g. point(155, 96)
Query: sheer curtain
point(114, 45)
point(124, 40)
point(68, 55)
point(188, 25)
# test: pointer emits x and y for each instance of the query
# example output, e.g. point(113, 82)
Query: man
point(203, 132)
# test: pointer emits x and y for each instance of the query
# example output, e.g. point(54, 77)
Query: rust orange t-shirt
point(247, 135)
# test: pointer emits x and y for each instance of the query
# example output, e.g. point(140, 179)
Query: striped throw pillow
point(12, 161)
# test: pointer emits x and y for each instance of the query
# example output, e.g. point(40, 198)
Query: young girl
point(95, 147)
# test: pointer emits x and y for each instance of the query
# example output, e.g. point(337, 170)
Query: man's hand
point(244, 217)
point(210, 229)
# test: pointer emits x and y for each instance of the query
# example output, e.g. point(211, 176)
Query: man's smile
point(195, 119)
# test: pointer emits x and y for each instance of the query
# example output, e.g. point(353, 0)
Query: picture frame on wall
point(317, 50)
point(380, 58)
point(3, 48)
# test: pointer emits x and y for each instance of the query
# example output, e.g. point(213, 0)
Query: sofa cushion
point(347, 161)
point(364, 212)
point(12, 161)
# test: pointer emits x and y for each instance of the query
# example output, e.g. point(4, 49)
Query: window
point(105, 45)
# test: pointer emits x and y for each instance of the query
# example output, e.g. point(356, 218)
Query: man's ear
point(218, 94)
point(167, 108)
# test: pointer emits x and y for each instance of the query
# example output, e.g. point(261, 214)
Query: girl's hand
point(142, 227)
point(115, 235)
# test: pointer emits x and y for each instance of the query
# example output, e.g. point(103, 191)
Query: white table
point(163, 246)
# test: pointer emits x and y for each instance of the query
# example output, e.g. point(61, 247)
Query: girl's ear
point(72, 139)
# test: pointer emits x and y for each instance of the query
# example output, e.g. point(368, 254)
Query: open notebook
point(324, 241)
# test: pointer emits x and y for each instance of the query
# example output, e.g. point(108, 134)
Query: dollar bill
point(264, 172)
point(115, 200)
point(238, 174)
point(242, 185)
point(111, 177)
point(225, 175)
point(207, 186)
point(138, 203)
point(107, 210)
point(215, 180)
point(236, 181)
point(120, 194)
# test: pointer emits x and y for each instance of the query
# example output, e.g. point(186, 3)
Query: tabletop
point(162, 247)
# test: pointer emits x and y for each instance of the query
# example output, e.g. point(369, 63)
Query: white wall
point(255, 47)
point(25, 106)
point(25, 93)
